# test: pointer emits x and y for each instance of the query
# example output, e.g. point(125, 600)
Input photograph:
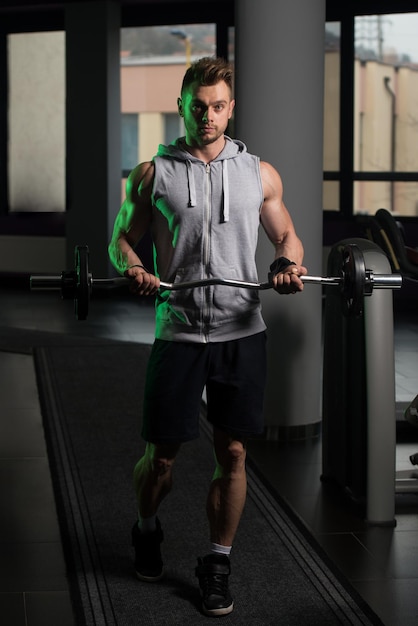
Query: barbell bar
point(355, 282)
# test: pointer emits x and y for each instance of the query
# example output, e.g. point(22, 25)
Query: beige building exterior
point(150, 88)
point(385, 134)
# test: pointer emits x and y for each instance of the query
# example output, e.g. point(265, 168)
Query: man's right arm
point(131, 223)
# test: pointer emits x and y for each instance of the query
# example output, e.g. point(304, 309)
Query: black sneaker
point(213, 571)
point(148, 561)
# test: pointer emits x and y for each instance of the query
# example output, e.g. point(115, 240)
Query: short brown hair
point(208, 71)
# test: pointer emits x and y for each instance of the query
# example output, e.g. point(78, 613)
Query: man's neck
point(208, 152)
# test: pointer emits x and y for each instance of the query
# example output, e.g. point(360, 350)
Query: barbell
point(355, 282)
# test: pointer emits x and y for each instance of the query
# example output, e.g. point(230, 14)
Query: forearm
point(122, 255)
point(290, 247)
point(133, 219)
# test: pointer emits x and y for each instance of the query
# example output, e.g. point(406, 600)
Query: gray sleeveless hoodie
point(205, 224)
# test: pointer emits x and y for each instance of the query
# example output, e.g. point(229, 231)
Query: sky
point(401, 32)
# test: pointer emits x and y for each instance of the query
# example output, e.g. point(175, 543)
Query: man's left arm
point(275, 218)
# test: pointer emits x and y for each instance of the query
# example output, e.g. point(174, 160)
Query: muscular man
point(203, 198)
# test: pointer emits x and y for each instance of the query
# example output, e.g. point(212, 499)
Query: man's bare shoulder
point(267, 169)
point(140, 179)
point(271, 178)
point(143, 173)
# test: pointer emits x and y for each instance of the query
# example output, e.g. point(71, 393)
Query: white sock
point(147, 524)
point(216, 548)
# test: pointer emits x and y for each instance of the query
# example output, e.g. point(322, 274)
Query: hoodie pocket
point(231, 303)
point(182, 305)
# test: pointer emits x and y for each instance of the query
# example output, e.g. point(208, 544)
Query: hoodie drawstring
point(191, 184)
point(225, 190)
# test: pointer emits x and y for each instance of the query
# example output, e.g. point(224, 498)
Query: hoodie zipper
point(206, 249)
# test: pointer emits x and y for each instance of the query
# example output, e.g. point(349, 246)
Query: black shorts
point(234, 373)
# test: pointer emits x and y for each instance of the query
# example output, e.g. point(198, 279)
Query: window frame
point(337, 224)
point(32, 19)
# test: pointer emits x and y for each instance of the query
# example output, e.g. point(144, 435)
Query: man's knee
point(236, 452)
point(160, 458)
point(230, 455)
point(161, 467)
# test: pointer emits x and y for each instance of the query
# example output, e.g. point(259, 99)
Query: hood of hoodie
point(177, 150)
point(233, 148)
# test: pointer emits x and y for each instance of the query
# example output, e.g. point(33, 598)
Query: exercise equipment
point(354, 283)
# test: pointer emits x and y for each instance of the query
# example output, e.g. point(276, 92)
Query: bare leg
point(228, 489)
point(153, 476)
point(152, 481)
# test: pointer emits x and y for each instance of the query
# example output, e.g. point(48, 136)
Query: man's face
point(206, 111)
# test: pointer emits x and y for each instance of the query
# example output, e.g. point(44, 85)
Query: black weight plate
point(82, 296)
point(354, 278)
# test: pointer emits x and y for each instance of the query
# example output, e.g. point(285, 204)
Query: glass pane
point(332, 97)
point(36, 122)
point(153, 62)
point(173, 127)
point(400, 198)
point(386, 93)
point(331, 195)
point(129, 141)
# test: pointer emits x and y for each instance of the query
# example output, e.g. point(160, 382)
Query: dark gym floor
point(381, 563)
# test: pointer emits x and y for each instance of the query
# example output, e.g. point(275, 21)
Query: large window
point(371, 114)
point(386, 111)
point(36, 122)
point(153, 61)
point(370, 108)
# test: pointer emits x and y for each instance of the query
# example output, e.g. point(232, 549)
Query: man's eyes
point(199, 107)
